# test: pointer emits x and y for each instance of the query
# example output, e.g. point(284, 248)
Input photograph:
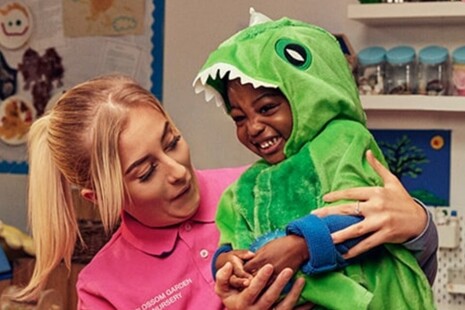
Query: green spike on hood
point(304, 61)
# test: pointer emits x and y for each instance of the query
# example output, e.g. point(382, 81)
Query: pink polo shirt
point(159, 268)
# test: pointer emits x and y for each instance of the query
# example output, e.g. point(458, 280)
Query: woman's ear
point(88, 195)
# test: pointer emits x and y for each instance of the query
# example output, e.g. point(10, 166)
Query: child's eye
point(267, 108)
point(238, 118)
point(173, 143)
point(148, 173)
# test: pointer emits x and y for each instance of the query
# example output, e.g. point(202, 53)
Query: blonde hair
point(76, 144)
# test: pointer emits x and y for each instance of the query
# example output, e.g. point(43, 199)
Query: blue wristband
point(222, 249)
point(324, 255)
point(320, 245)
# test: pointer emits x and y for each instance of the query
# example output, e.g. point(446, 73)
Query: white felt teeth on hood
point(221, 70)
point(222, 73)
point(209, 95)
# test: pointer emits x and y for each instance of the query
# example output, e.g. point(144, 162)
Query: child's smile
point(270, 146)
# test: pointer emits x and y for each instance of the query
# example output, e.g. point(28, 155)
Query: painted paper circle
point(15, 25)
point(16, 117)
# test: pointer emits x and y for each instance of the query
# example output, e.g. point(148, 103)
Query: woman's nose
point(175, 171)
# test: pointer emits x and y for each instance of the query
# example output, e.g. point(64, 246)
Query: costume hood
point(304, 61)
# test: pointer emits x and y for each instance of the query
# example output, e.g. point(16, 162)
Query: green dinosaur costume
point(325, 152)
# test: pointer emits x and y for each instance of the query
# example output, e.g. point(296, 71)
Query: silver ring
point(357, 208)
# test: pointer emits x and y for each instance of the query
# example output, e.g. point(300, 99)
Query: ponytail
point(76, 144)
point(52, 217)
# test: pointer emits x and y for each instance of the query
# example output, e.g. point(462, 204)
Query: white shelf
point(413, 103)
point(408, 13)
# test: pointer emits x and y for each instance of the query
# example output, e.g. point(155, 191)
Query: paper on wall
point(103, 17)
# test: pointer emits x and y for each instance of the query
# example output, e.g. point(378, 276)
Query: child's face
point(263, 119)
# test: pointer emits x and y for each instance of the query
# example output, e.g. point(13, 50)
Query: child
point(290, 91)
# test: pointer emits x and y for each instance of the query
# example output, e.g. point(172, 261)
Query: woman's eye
point(147, 174)
point(173, 143)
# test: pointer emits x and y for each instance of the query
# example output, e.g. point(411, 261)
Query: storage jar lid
point(433, 54)
point(372, 55)
point(459, 55)
point(400, 55)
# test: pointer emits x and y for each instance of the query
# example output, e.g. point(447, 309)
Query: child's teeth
point(267, 144)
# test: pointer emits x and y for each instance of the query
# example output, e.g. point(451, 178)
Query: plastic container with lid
point(458, 71)
point(433, 66)
point(371, 64)
point(400, 70)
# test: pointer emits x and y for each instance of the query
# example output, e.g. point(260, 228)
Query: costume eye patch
point(294, 53)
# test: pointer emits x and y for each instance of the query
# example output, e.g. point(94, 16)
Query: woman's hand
point(285, 252)
point(240, 278)
point(391, 215)
point(258, 295)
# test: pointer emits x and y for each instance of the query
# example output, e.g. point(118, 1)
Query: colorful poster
point(421, 161)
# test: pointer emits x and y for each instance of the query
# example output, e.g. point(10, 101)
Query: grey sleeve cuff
point(424, 247)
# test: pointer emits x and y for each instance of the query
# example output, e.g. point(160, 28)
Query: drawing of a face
point(15, 25)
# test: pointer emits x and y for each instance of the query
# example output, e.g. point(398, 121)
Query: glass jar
point(371, 63)
point(432, 71)
point(400, 70)
point(458, 71)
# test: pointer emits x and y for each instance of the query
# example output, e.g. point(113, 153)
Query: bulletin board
point(48, 46)
point(157, 49)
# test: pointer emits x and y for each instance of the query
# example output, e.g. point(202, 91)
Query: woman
point(112, 139)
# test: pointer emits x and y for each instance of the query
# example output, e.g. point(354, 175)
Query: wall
point(194, 28)
point(82, 58)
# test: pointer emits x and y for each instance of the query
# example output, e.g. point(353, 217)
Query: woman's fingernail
point(268, 269)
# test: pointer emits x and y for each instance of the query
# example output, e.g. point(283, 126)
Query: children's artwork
point(16, 116)
point(43, 73)
point(7, 79)
point(157, 49)
point(421, 161)
point(103, 17)
point(42, 80)
point(15, 25)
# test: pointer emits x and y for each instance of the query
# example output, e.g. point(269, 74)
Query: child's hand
point(285, 252)
point(239, 278)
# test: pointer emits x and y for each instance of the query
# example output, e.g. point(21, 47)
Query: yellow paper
point(103, 17)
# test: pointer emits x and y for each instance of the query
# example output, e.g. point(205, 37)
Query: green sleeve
point(232, 226)
point(339, 156)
